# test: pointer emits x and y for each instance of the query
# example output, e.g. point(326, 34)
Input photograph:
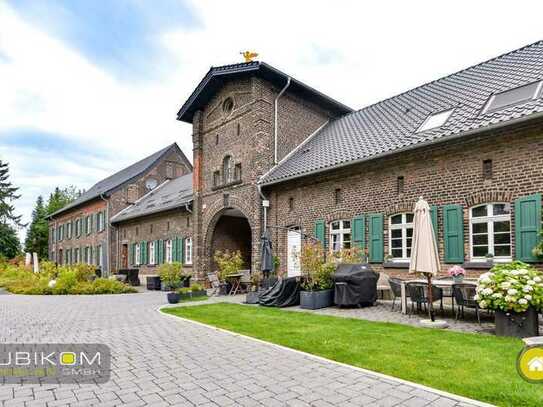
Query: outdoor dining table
point(437, 283)
point(235, 281)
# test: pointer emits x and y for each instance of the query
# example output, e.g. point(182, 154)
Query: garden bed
point(477, 366)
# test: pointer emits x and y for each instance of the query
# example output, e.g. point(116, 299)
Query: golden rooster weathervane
point(249, 55)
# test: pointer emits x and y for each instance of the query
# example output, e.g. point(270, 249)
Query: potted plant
point(317, 281)
point(229, 263)
point(457, 273)
point(170, 275)
point(515, 291)
point(253, 295)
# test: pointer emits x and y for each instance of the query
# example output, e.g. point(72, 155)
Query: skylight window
point(435, 120)
point(512, 97)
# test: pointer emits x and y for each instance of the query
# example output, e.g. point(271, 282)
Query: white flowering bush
point(513, 286)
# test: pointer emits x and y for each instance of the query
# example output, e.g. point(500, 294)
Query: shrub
point(316, 272)
point(171, 274)
point(196, 287)
point(228, 262)
point(67, 280)
point(513, 286)
point(354, 255)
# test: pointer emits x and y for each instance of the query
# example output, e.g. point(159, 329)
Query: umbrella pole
point(430, 302)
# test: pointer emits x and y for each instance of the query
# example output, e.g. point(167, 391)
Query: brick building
point(157, 228)
point(81, 232)
point(270, 150)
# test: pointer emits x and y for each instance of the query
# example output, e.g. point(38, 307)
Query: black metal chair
point(418, 292)
point(464, 295)
point(396, 289)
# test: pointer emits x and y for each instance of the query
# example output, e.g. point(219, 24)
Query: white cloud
point(357, 52)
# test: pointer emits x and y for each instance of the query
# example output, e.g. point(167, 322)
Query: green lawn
point(481, 367)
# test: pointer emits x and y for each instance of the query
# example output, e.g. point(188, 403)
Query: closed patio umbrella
point(424, 253)
point(266, 260)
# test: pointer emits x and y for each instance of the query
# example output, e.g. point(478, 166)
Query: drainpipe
point(265, 205)
point(275, 119)
point(106, 266)
point(187, 208)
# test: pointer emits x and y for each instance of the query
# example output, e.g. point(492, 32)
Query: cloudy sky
point(88, 87)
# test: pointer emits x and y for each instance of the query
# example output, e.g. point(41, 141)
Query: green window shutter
point(320, 231)
point(162, 251)
point(131, 254)
point(359, 232)
point(433, 216)
point(527, 226)
point(174, 249)
point(157, 251)
point(375, 238)
point(182, 251)
point(453, 233)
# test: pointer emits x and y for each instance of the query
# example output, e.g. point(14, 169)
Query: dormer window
point(435, 120)
point(512, 97)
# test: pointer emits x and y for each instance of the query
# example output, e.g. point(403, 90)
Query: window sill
point(229, 184)
point(481, 265)
point(396, 265)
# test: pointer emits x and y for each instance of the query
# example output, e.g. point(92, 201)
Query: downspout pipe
point(275, 130)
point(106, 266)
point(263, 198)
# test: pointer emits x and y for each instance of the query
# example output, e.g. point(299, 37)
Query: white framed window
point(227, 169)
point(99, 255)
point(88, 228)
point(69, 230)
point(490, 231)
point(76, 255)
point(340, 235)
point(188, 250)
point(169, 254)
point(152, 256)
point(400, 236)
point(137, 259)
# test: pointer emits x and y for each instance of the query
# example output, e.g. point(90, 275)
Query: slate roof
point(170, 194)
point(111, 183)
point(391, 126)
point(216, 76)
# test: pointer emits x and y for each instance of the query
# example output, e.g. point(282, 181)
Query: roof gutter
point(275, 104)
point(409, 148)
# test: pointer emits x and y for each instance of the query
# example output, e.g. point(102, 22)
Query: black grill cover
point(355, 284)
point(284, 293)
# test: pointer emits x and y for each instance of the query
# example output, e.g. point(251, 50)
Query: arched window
point(490, 231)
point(227, 169)
point(400, 236)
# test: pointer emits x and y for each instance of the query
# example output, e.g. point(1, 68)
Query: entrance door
point(124, 256)
point(294, 246)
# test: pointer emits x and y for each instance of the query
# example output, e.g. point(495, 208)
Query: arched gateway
point(229, 229)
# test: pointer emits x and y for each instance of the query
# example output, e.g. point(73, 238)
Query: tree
point(9, 241)
point(37, 235)
point(59, 198)
point(7, 196)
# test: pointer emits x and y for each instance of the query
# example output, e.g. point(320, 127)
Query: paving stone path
point(158, 361)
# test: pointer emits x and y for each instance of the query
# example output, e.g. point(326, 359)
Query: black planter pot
point(173, 297)
point(252, 297)
point(517, 324)
point(316, 299)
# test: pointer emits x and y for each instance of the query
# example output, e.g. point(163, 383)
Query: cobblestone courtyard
point(159, 361)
